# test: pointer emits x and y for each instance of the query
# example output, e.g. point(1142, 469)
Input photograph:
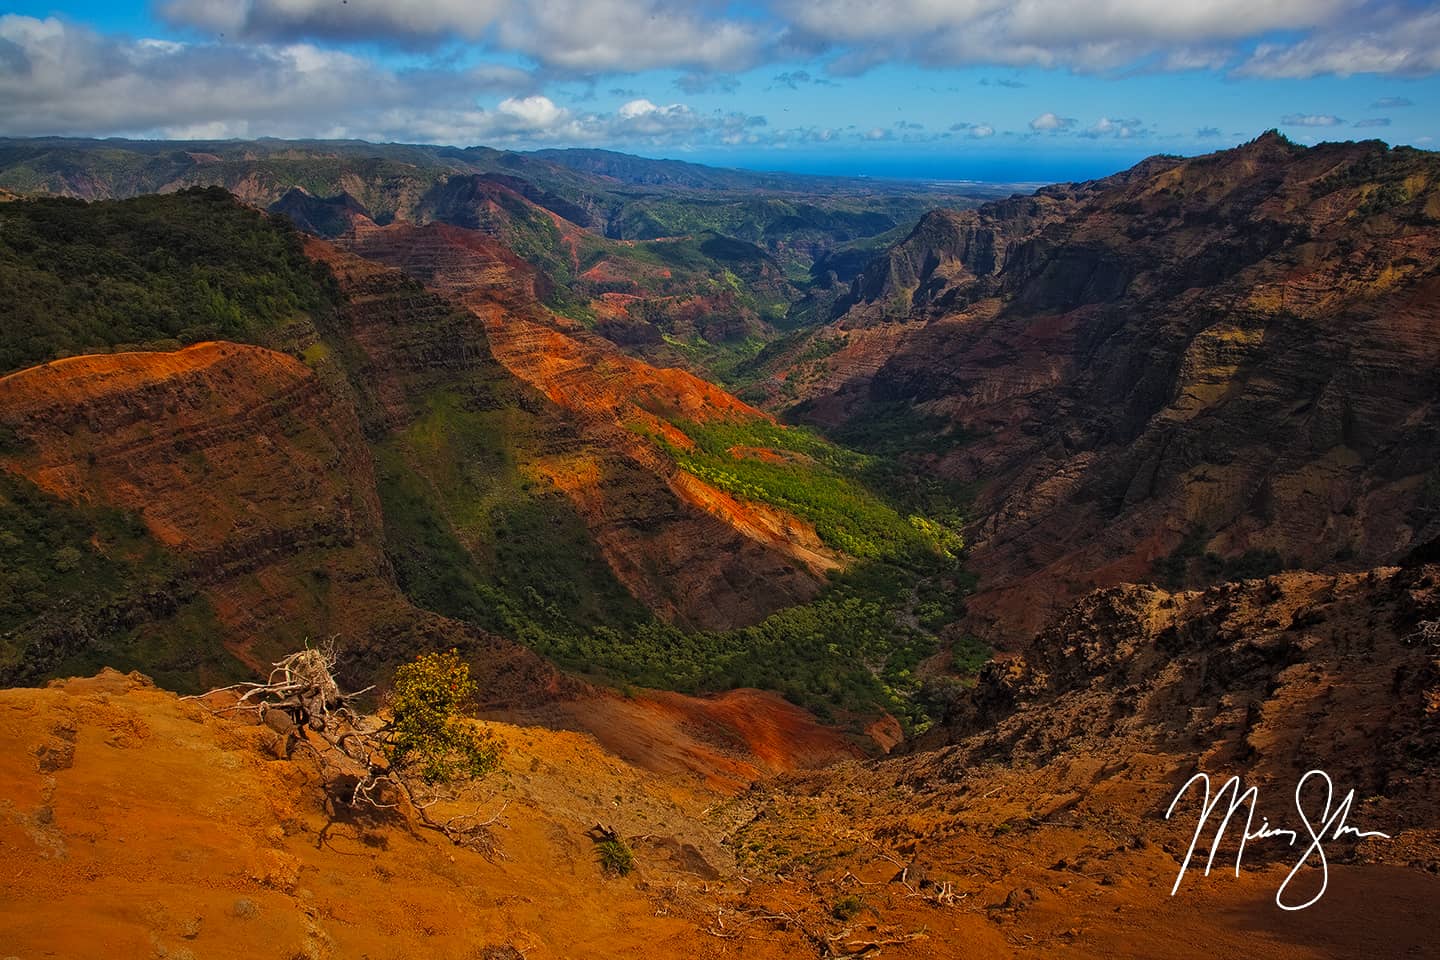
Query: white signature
point(1331, 825)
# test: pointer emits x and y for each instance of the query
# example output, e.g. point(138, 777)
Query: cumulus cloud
point(1192, 34)
point(537, 112)
point(1373, 122)
point(62, 78)
point(1311, 120)
point(617, 36)
point(584, 36)
point(285, 20)
point(977, 131)
point(307, 67)
point(1119, 129)
point(1208, 133)
point(1051, 123)
point(58, 78)
point(1393, 40)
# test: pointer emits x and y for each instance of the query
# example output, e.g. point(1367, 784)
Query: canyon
point(1030, 512)
point(1223, 357)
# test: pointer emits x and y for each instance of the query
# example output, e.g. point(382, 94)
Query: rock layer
point(240, 461)
point(1235, 350)
point(688, 551)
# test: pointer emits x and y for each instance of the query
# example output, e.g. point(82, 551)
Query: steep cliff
point(250, 473)
point(687, 550)
point(1225, 358)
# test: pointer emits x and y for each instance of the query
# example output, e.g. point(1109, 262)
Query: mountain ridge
point(1096, 372)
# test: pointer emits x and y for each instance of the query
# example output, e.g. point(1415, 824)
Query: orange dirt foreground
point(134, 824)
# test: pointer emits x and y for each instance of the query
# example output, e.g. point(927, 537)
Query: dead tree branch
point(303, 703)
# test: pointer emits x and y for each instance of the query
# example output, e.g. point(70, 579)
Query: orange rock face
point(730, 740)
point(112, 426)
point(246, 466)
point(690, 552)
point(239, 460)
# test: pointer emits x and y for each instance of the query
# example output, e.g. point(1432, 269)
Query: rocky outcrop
point(491, 203)
point(1044, 802)
point(951, 258)
point(322, 216)
point(1224, 355)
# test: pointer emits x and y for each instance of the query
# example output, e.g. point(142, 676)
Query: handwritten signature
point(1330, 825)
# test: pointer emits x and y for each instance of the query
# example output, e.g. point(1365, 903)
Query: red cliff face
point(240, 461)
point(1231, 349)
point(688, 551)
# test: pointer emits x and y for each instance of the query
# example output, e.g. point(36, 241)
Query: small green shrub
point(431, 735)
point(615, 857)
point(847, 908)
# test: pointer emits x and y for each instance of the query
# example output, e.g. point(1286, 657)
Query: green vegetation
point(474, 535)
point(894, 428)
point(54, 555)
point(847, 908)
point(73, 584)
point(616, 859)
point(487, 545)
point(473, 527)
point(184, 267)
point(431, 733)
point(798, 471)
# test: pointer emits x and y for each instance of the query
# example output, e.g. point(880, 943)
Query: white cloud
point(57, 78)
point(1181, 34)
point(711, 38)
point(1119, 129)
point(1311, 120)
point(1051, 123)
point(978, 131)
point(535, 112)
point(637, 108)
point(1391, 41)
point(291, 19)
point(581, 36)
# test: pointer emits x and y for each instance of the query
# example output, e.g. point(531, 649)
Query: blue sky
point(945, 89)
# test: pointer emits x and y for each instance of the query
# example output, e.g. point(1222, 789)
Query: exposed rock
point(688, 551)
point(1232, 348)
